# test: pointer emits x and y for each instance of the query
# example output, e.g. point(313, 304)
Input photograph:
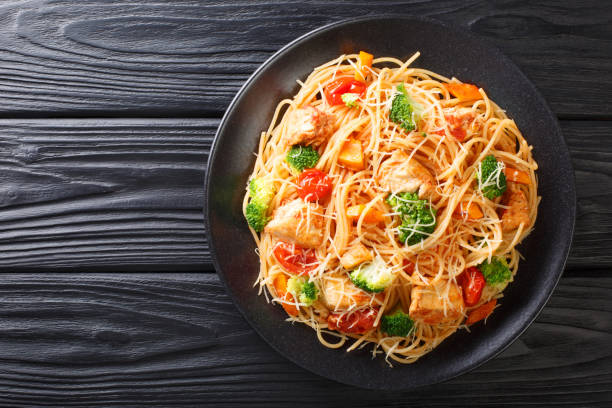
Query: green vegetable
point(306, 292)
point(373, 276)
point(350, 99)
point(496, 271)
point(404, 110)
point(302, 157)
point(397, 323)
point(491, 177)
point(261, 192)
point(418, 218)
point(256, 216)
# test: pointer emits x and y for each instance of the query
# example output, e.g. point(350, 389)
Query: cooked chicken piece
point(298, 222)
point(355, 256)
point(340, 294)
point(428, 303)
point(462, 122)
point(517, 212)
point(309, 126)
point(397, 174)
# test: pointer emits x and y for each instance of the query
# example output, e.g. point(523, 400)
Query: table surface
point(108, 296)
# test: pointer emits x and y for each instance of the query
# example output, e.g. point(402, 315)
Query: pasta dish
point(386, 203)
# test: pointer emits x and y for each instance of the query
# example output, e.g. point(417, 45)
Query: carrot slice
point(373, 216)
point(365, 60)
point(517, 176)
point(351, 155)
point(481, 312)
point(472, 210)
point(465, 92)
point(280, 284)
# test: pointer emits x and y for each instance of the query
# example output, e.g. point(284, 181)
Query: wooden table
point(108, 297)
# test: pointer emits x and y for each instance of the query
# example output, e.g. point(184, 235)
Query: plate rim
point(572, 203)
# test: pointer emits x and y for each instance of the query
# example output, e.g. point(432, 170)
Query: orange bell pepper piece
point(351, 155)
point(481, 312)
point(472, 210)
point(373, 216)
point(365, 60)
point(517, 176)
point(280, 285)
point(465, 92)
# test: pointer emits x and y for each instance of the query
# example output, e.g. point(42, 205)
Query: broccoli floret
point(350, 99)
point(496, 271)
point(306, 292)
point(256, 216)
point(491, 177)
point(397, 323)
point(404, 110)
point(403, 202)
point(302, 157)
point(374, 276)
point(261, 192)
point(418, 218)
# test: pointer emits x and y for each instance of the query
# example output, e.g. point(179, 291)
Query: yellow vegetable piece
point(365, 60)
point(280, 284)
point(373, 216)
point(473, 211)
point(351, 155)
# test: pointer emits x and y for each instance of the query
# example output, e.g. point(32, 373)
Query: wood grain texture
point(107, 193)
point(119, 195)
point(591, 153)
point(188, 58)
point(99, 194)
point(154, 340)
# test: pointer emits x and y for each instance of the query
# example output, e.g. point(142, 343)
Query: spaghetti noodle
point(386, 202)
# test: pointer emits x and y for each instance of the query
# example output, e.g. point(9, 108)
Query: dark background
point(107, 114)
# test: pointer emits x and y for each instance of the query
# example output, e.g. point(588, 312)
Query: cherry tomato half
point(314, 185)
point(335, 89)
point(359, 321)
point(294, 258)
point(472, 282)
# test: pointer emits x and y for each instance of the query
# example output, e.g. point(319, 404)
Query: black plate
point(445, 50)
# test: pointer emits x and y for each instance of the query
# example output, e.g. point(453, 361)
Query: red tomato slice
point(314, 185)
point(294, 258)
point(359, 321)
point(335, 89)
point(472, 282)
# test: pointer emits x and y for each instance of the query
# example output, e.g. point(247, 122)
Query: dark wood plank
point(188, 58)
point(591, 152)
point(99, 194)
point(103, 193)
point(163, 340)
